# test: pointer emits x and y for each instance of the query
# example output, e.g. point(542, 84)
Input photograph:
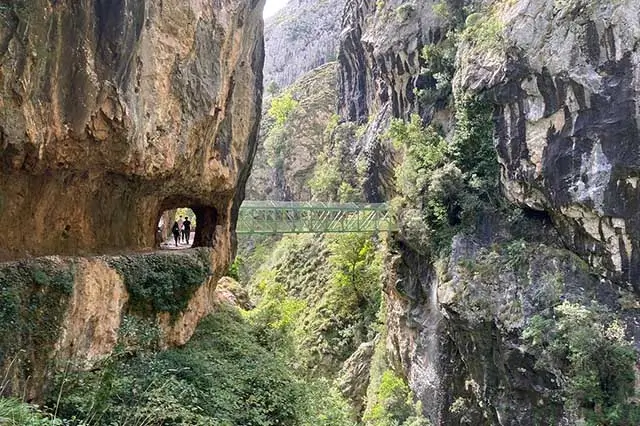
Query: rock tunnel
point(94, 145)
point(205, 221)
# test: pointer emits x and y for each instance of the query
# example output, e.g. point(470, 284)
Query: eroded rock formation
point(113, 112)
point(67, 313)
point(567, 97)
point(562, 78)
point(299, 38)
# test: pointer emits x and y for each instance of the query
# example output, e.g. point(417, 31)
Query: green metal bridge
point(289, 217)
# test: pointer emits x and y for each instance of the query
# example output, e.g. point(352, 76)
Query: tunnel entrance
point(186, 227)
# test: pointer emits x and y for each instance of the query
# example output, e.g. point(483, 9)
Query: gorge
point(502, 134)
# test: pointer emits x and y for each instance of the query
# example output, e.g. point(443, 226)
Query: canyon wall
point(113, 112)
point(561, 81)
point(302, 36)
point(565, 83)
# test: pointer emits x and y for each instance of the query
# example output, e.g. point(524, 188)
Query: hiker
point(186, 232)
point(181, 225)
point(175, 230)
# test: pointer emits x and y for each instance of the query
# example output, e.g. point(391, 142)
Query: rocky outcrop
point(287, 153)
point(69, 313)
point(565, 81)
point(113, 112)
point(380, 73)
point(353, 378)
point(457, 330)
point(301, 37)
point(379, 55)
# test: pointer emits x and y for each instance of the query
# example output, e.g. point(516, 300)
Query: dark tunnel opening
point(186, 227)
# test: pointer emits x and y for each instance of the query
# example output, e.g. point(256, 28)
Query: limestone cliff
point(113, 112)
point(64, 313)
point(560, 79)
point(565, 83)
point(300, 37)
point(380, 73)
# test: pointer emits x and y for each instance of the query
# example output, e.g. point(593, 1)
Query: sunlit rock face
point(567, 121)
point(114, 111)
point(299, 38)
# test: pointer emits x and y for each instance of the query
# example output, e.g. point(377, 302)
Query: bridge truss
point(286, 217)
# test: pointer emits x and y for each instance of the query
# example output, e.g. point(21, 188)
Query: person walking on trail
point(175, 230)
point(181, 226)
point(186, 232)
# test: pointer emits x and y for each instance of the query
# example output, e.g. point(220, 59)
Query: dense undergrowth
point(320, 299)
point(224, 376)
point(444, 187)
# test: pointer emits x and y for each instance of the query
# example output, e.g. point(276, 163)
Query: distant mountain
point(301, 37)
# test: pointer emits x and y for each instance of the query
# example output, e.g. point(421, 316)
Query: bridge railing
point(285, 217)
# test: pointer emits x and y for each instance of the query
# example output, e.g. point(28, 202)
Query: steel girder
point(283, 217)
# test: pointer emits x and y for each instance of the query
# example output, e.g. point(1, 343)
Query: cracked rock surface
point(114, 111)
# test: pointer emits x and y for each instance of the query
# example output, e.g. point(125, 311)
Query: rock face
point(457, 333)
point(380, 70)
point(113, 112)
point(567, 121)
point(70, 312)
point(301, 37)
point(287, 154)
point(563, 80)
point(380, 55)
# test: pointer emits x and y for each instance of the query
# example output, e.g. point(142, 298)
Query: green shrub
point(34, 295)
point(281, 107)
point(484, 31)
point(472, 148)
point(394, 404)
point(588, 346)
point(326, 180)
point(317, 299)
point(449, 183)
point(438, 66)
point(221, 377)
point(16, 413)
point(326, 406)
point(235, 267)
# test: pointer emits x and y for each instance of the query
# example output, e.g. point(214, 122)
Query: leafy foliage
point(444, 186)
point(326, 406)
point(326, 179)
point(437, 73)
point(589, 347)
point(321, 297)
point(336, 176)
point(281, 107)
point(394, 404)
point(222, 376)
point(484, 31)
point(162, 282)
point(33, 299)
point(16, 413)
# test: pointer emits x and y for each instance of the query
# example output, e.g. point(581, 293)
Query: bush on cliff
point(222, 377)
point(598, 364)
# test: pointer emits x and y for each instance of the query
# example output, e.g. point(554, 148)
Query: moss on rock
point(162, 282)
